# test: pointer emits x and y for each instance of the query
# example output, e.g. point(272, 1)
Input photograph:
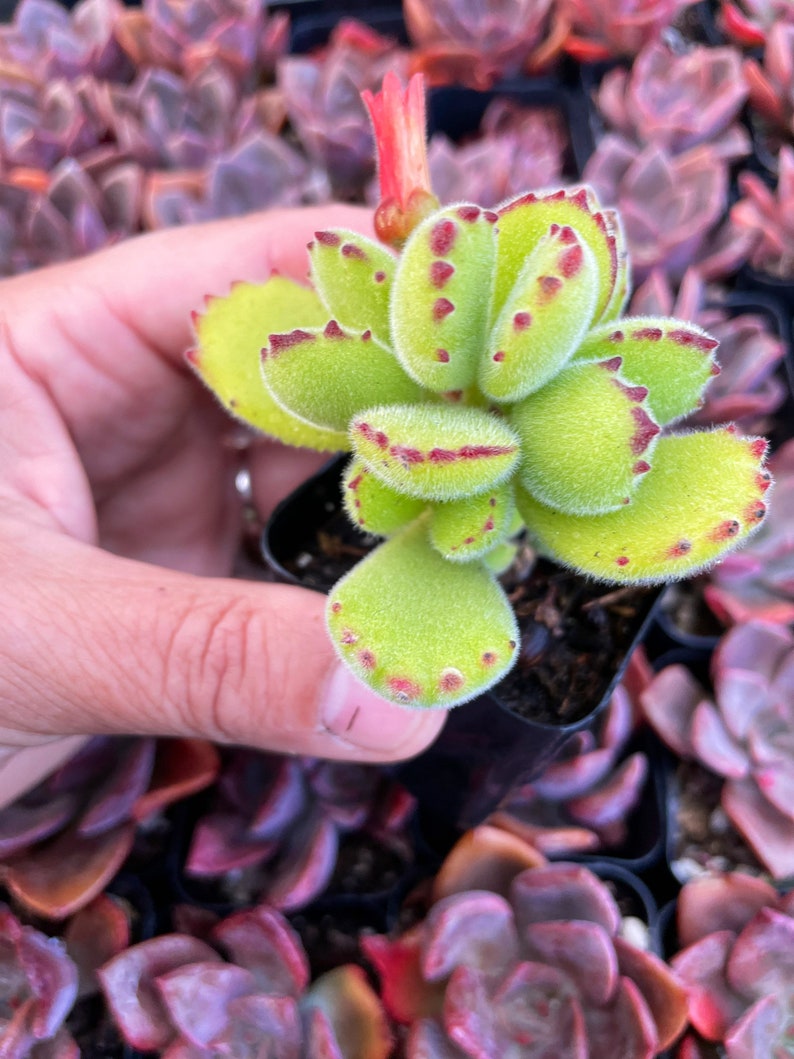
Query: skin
point(119, 520)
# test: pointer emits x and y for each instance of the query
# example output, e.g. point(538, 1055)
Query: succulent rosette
point(483, 372)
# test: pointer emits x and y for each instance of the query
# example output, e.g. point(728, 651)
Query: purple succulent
point(63, 841)
point(476, 44)
point(743, 733)
point(38, 988)
point(275, 829)
point(322, 95)
point(600, 30)
point(516, 148)
point(45, 42)
point(766, 218)
point(542, 971)
point(737, 966)
point(678, 100)
point(581, 802)
point(671, 206)
point(749, 387)
point(759, 582)
point(186, 36)
point(177, 995)
point(771, 82)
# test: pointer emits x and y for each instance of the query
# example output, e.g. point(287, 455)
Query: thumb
point(95, 643)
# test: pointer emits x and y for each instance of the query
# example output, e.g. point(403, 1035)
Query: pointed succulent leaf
point(57, 879)
point(197, 996)
point(128, 983)
point(450, 633)
point(353, 276)
point(484, 858)
point(545, 316)
point(325, 375)
point(406, 995)
point(469, 1016)
point(582, 950)
point(264, 943)
point(702, 497)
point(440, 297)
point(625, 1027)
point(763, 1030)
point(374, 506)
point(662, 991)
point(586, 439)
point(710, 903)
point(523, 223)
point(713, 1004)
point(563, 892)
point(762, 960)
point(475, 929)
point(353, 1011)
point(435, 452)
point(229, 339)
point(427, 1040)
point(466, 529)
point(764, 828)
point(674, 360)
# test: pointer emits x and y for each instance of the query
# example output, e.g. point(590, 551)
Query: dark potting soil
point(686, 609)
point(575, 633)
point(365, 866)
point(94, 1032)
point(704, 838)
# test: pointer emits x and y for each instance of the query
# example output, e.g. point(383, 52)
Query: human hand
point(119, 520)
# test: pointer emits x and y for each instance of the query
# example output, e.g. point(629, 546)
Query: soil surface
point(704, 839)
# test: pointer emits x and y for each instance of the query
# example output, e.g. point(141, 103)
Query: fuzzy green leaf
point(467, 529)
point(419, 630)
point(441, 295)
point(435, 452)
point(229, 339)
point(500, 558)
point(675, 360)
point(543, 320)
point(325, 376)
point(353, 276)
point(622, 285)
point(703, 496)
point(586, 439)
point(524, 221)
point(374, 506)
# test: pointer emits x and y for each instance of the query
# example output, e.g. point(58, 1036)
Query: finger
point(151, 283)
point(96, 643)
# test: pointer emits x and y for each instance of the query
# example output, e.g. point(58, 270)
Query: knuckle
point(215, 662)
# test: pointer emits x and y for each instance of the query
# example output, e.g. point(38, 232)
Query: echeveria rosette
point(483, 369)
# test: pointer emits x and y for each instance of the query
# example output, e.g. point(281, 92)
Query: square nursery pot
point(577, 637)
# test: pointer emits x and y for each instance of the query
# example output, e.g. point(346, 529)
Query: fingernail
point(359, 717)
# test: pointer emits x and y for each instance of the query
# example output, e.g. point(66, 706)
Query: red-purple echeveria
point(743, 734)
point(737, 965)
point(604, 31)
point(766, 218)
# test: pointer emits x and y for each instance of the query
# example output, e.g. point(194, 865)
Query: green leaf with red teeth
point(324, 376)
point(435, 452)
point(703, 495)
point(419, 630)
point(466, 529)
point(675, 360)
point(620, 290)
point(586, 439)
point(440, 297)
point(353, 276)
point(523, 223)
point(230, 334)
point(373, 506)
point(543, 320)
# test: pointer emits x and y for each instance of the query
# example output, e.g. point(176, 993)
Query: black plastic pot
point(485, 747)
point(315, 20)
